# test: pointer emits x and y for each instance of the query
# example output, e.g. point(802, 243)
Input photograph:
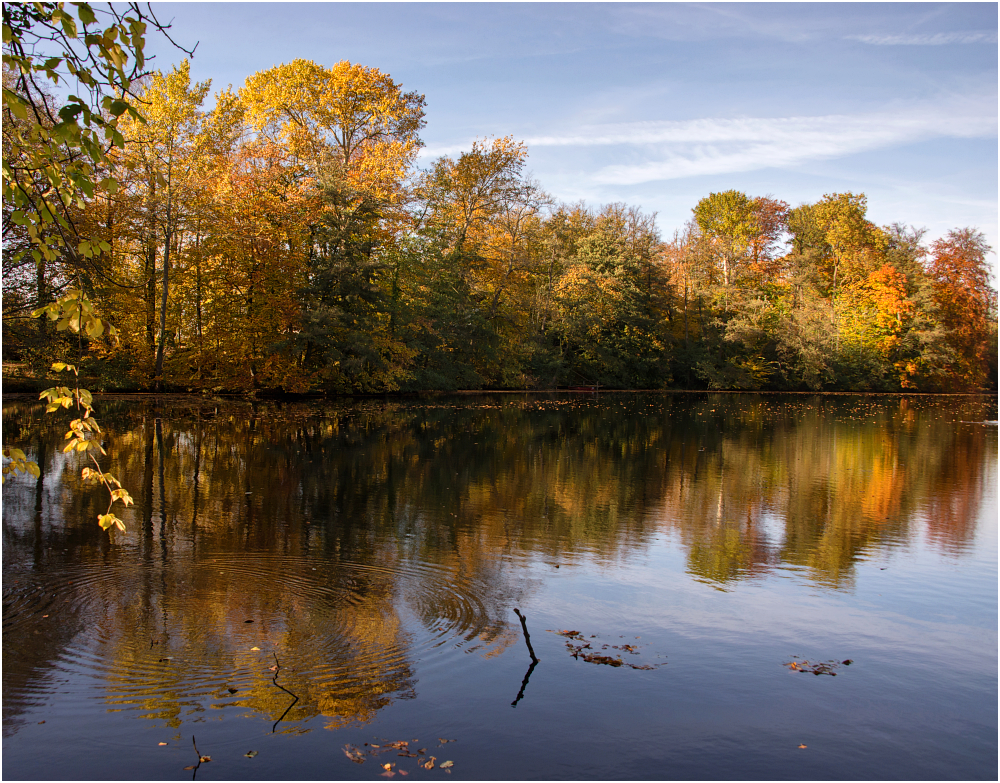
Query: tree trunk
point(167, 239)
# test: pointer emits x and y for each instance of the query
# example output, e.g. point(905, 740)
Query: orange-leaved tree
point(968, 306)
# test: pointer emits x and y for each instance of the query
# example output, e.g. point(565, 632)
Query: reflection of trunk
point(39, 498)
point(147, 482)
point(163, 491)
point(247, 491)
point(197, 472)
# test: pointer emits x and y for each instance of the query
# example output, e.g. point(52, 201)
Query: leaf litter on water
point(577, 645)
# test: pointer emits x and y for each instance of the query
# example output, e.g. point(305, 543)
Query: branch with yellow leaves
point(75, 312)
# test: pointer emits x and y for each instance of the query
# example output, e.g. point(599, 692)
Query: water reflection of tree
point(843, 476)
point(428, 507)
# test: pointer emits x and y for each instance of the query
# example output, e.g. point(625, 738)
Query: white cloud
point(936, 39)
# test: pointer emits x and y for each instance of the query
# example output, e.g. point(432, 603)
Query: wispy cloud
point(935, 39)
point(720, 146)
point(673, 150)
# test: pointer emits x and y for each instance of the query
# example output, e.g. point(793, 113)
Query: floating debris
point(354, 754)
point(824, 667)
point(578, 649)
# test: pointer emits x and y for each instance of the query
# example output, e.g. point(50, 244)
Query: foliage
point(74, 312)
point(283, 241)
point(967, 305)
point(52, 160)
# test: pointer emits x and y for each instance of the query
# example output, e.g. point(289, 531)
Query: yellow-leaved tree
point(351, 134)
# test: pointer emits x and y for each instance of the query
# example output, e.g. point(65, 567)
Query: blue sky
point(659, 104)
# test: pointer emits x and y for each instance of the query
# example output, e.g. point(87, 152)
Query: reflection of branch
point(274, 681)
point(200, 759)
point(527, 639)
point(524, 683)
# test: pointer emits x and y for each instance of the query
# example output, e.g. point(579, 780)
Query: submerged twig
point(274, 681)
point(527, 638)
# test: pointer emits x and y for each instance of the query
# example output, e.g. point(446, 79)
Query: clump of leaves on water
point(824, 667)
point(578, 645)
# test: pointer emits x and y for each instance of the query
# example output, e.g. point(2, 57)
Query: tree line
point(285, 240)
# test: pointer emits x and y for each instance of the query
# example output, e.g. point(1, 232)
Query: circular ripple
point(175, 639)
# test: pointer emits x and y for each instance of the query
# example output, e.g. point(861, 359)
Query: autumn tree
point(740, 231)
point(609, 328)
point(968, 306)
point(474, 212)
point(847, 244)
point(352, 133)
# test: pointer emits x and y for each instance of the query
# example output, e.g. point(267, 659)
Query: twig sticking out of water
point(527, 638)
point(274, 681)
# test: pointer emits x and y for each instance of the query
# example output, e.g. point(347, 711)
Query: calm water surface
point(364, 558)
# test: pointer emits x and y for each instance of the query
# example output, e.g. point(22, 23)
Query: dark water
point(380, 547)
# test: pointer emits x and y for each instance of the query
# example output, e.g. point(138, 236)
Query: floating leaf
point(446, 764)
point(354, 754)
point(204, 758)
point(163, 743)
point(801, 746)
point(250, 754)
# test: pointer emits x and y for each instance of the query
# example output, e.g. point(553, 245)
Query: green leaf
point(17, 107)
point(68, 22)
point(86, 14)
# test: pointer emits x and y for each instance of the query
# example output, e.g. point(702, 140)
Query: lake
point(715, 586)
